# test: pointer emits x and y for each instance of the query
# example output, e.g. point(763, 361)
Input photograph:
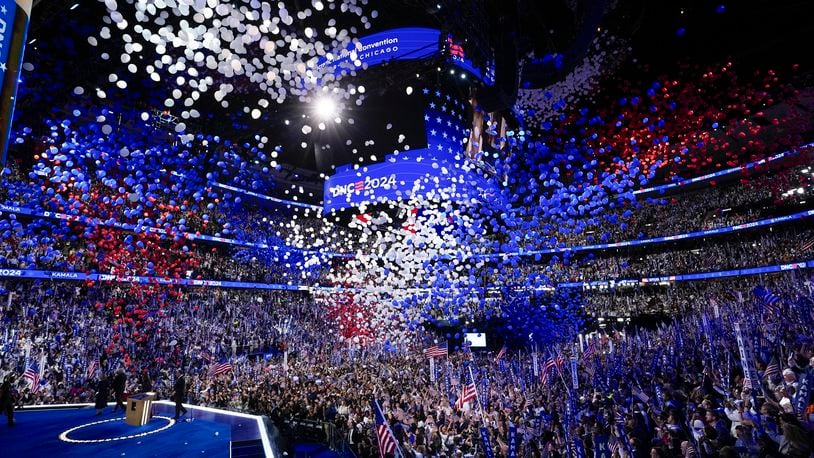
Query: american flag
point(807, 244)
point(436, 351)
point(207, 356)
point(387, 441)
point(590, 351)
point(220, 368)
point(455, 49)
point(619, 419)
point(92, 368)
point(32, 374)
point(468, 394)
point(444, 124)
point(549, 366)
point(614, 445)
point(769, 300)
point(773, 369)
point(501, 353)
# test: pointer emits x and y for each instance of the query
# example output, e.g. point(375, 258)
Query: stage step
point(248, 449)
point(313, 450)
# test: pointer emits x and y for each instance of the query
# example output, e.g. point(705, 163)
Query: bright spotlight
point(325, 108)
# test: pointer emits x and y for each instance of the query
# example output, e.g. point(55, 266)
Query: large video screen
point(476, 339)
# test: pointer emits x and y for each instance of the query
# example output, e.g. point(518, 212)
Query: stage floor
point(75, 431)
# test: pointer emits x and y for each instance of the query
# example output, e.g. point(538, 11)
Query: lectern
point(139, 408)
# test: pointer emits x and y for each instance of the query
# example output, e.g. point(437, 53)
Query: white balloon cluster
point(420, 270)
point(228, 46)
point(604, 56)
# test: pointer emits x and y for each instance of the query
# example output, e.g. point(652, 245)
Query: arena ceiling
point(661, 34)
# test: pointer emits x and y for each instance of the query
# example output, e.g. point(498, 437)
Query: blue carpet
point(36, 433)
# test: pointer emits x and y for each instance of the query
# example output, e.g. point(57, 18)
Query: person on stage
point(119, 384)
point(145, 383)
point(179, 394)
point(102, 393)
point(7, 398)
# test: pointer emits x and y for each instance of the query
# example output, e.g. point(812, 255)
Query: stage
point(75, 431)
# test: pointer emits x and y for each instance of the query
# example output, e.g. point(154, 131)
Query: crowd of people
point(722, 205)
point(679, 299)
point(673, 389)
point(131, 190)
point(670, 390)
point(84, 339)
point(223, 213)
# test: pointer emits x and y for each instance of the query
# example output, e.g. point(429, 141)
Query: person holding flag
point(501, 353)
point(388, 444)
point(469, 393)
point(32, 374)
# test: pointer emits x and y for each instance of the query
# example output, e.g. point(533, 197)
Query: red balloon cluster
point(353, 320)
point(707, 120)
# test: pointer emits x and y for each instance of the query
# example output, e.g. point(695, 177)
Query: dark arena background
point(410, 228)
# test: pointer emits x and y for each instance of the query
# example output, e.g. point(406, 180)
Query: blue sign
point(392, 180)
point(601, 447)
point(487, 444)
point(402, 177)
point(579, 448)
point(14, 17)
point(29, 274)
point(512, 441)
point(412, 172)
point(803, 394)
point(396, 44)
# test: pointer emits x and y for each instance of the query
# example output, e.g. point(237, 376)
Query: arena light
point(325, 108)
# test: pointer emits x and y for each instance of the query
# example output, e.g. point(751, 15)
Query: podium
point(139, 408)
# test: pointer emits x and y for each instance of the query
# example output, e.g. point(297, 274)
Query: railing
point(724, 172)
point(25, 274)
point(597, 247)
point(18, 210)
point(321, 432)
point(654, 240)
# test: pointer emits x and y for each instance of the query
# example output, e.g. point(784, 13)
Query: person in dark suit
point(102, 393)
point(7, 399)
point(145, 383)
point(119, 384)
point(179, 394)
